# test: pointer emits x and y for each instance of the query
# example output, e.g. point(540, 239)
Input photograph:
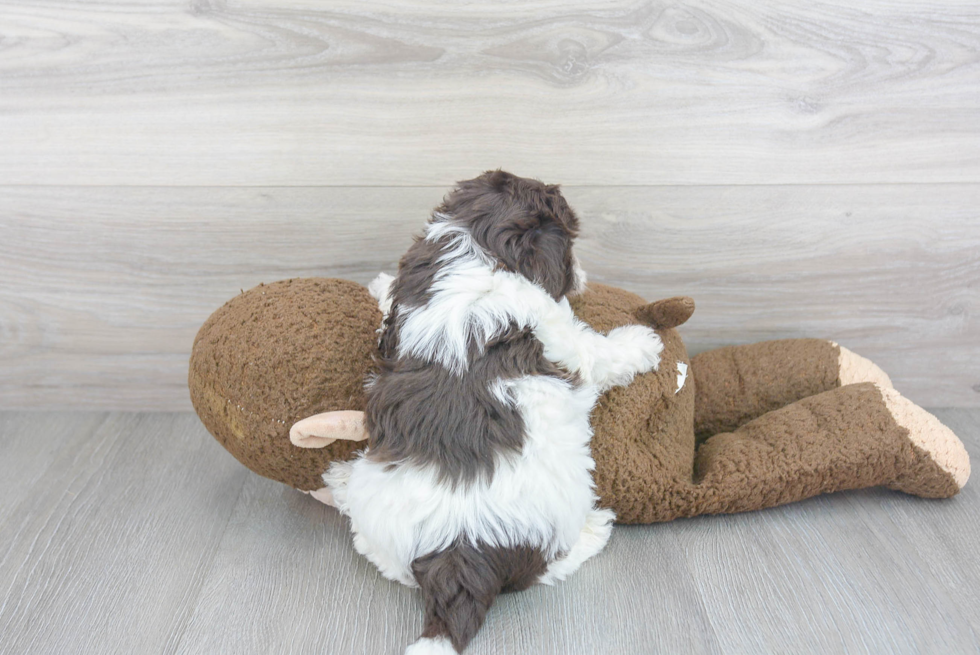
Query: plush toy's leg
point(856, 436)
point(324, 495)
point(736, 384)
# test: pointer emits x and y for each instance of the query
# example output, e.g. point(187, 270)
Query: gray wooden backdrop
point(804, 169)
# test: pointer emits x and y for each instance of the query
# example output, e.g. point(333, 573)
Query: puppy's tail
point(460, 584)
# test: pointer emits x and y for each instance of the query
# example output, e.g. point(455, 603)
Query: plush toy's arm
point(321, 430)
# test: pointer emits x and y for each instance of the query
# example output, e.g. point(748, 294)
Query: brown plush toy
point(730, 430)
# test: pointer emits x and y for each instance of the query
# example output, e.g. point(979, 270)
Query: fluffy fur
point(477, 478)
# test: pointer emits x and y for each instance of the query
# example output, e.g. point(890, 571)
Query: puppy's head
point(524, 224)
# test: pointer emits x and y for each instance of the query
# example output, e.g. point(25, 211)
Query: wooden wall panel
point(801, 168)
point(103, 289)
point(218, 92)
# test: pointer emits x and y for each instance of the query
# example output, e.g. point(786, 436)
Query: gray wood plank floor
point(137, 533)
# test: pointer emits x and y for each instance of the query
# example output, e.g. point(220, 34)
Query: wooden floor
point(137, 533)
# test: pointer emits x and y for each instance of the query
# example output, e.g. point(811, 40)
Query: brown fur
point(423, 413)
point(460, 584)
point(668, 313)
point(740, 383)
point(525, 223)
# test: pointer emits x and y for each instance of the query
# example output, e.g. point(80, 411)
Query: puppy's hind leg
point(336, 479)
point(593, 538)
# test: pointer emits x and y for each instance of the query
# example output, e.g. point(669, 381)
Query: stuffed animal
point(277, 376)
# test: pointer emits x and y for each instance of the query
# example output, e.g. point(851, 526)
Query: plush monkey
point(277, 377)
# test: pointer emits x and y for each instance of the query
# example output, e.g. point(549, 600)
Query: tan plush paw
point(936, 440)
point(854, 369)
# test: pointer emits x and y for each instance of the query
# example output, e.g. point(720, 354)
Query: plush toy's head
point(276, 354)
point(282, 352)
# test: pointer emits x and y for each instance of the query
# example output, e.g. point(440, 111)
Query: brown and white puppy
point(477, 476)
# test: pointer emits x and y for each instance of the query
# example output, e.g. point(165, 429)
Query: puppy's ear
point(498, 179)
point(560, 211)
point(471, 198)
point(539, 247)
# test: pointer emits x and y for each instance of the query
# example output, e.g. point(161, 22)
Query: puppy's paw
point(599, 525)
point(627, 350)
point(336, 478)
point(640, 346)
point(593, 538)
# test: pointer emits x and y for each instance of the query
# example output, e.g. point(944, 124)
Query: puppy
point(477, 476)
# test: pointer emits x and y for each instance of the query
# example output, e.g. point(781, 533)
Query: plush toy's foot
point(324, 495)
point(940, 464)
point(853, 369)
point(852, 437)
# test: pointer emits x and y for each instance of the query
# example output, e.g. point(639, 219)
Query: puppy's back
point(460, 423)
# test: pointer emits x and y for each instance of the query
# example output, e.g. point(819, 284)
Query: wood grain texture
point(255, 92)
point(101, 312)
point(106, 551)
point(27, 454)
point(292, 595)
point(308, 591)
point(136, 533)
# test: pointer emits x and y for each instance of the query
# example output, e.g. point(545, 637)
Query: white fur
point(380, 290)
point(434, 646)
point(593, 538)
point(542, 497)
point(581, 279)
point(472, 300)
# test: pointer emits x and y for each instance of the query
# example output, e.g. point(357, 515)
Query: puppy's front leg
point(625, 352)
point(603, 360)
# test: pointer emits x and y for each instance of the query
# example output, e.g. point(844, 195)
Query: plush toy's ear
point(664, 314)
point(321, 430)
